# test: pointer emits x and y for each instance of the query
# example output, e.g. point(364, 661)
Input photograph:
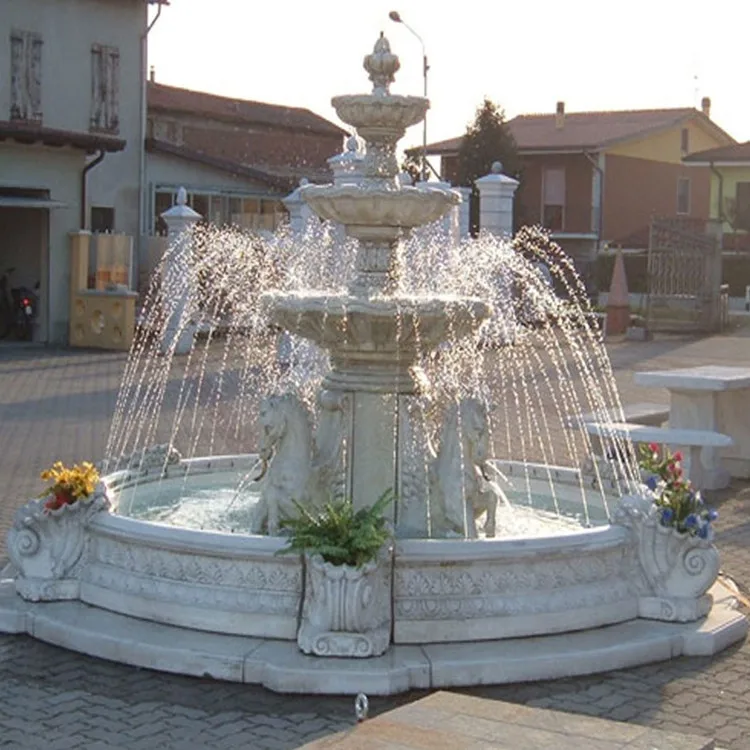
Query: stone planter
point(676, 569)
point(637, 333)
point(46, 546)
point(346, 611)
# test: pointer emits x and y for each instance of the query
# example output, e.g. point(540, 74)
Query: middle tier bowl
point(371, 206)
point(347, 324)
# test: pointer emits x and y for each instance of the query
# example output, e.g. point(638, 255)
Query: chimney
point(152, 74)
point(560, 116)
point(706, 106)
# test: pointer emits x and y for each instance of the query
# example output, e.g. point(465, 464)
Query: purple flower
point(667, 514)
point(703, 531)
point(691, 521)
point(712, 515)
point(652, 481)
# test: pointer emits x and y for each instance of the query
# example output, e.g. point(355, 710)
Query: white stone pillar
point(449, 222)
point(348, 167)
point(496, 192)
point(299, 212)
point(464, 212)
point(176, 286)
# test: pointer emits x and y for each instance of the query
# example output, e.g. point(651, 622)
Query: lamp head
point(394, 16)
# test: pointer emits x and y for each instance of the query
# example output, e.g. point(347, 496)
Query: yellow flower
point(76, 482)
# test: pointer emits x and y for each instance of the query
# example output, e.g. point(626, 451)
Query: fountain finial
point(181, 197)
point(381, 66)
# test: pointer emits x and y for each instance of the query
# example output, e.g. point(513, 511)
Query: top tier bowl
point(374, 115)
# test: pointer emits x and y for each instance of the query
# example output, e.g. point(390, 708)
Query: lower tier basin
point(569, 600)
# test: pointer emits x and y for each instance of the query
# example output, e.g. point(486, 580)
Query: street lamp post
point(396, 18)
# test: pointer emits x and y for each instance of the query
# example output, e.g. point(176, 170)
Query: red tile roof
point(737, 152)
point(586, 130)
point(172, 99)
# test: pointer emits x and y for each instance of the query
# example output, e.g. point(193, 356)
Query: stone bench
point(643, 413)
point(690, 442)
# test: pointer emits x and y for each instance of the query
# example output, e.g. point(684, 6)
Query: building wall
point(635, 190)
point(666, 146)
point(727, 187)
point(68, 29)
point(57, 170)
point(169, 171)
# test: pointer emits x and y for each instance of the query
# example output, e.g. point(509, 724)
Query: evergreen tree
point(488, 139)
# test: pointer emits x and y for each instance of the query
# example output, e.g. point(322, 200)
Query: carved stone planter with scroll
point(346, 611)
point(47, 547)
point(676, 569)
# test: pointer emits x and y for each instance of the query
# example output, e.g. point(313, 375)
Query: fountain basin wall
point(454, 590)
point(226, 583)
point(444, 590)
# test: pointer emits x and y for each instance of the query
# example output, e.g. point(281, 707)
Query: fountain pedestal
point(376, 337)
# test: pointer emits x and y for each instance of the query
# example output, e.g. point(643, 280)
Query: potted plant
point(68, 485)
point(673, 528)
point(346, 606)
point(637, 330)
point(48, 535)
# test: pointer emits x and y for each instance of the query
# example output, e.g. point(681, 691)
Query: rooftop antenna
point(696, 91)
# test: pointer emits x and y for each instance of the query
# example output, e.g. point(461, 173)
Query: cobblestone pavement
point(57, 404)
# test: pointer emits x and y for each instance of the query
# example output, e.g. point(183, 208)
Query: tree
point(488, 139)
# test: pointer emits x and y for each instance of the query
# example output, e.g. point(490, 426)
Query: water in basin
point(225, 501)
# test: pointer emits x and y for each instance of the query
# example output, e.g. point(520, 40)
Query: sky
point(524, 55)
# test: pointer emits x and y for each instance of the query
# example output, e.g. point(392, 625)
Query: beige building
point(72, 122)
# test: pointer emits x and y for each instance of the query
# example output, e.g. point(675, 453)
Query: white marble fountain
point(456, 600)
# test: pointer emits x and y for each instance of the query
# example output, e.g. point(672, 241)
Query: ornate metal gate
point(684, 277)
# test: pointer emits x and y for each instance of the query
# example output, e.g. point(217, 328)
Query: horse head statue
point(460, 488)
point(285, 453)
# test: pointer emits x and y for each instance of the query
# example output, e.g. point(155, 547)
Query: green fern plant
point(337, 533)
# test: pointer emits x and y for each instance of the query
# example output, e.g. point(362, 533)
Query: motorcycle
point(25, 305)
point(18, 309)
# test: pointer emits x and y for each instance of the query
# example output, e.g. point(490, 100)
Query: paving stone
point(49, 696)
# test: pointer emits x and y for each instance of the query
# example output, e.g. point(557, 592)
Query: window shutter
point(17, 110)
point(34, 52)
point(554, 187)
point(113, 97)
point(96, 71)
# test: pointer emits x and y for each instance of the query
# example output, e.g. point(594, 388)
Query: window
point(105, 84)
point(683, 195)
point(102, 219)
point(553, 203)
point(163, 201)
point(742, 206)
point(25, 76)
point(685, 141)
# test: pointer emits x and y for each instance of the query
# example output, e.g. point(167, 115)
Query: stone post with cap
point(496, 192)
point(180, 327)
point(299, 212)
point(464, 212)
point(348, 166)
